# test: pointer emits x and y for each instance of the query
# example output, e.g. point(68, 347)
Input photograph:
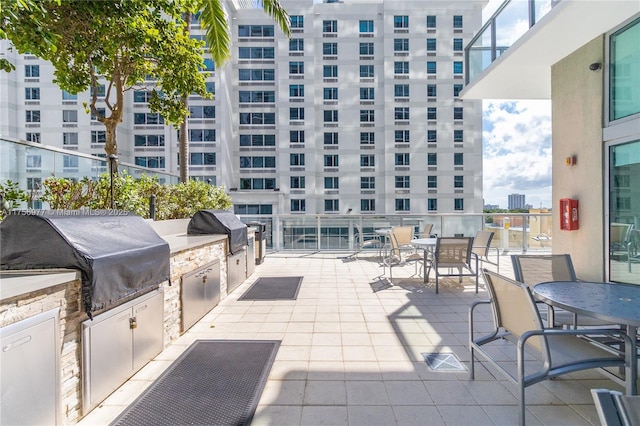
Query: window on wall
point(367, 93)
point(624, 199)
point(332, 182)
point(66, 96)
point(366, 71)
point(329, 48)
point(331, 160)
point(366, 26)
point(457, 67)
point(329, 26)
point(432, 182)
point(403, 182)
point(150, 162)
point(367, 138)
point(257, 140)
point(401, 159)
point(401, 136)
point(432, 113)
point(401, 21)
point(297, 182)
point(432, 204)
point(458, 135)
point(256, 74)
point(401, 113)
point(252, 208)
point(296, 159)
point(367, 116)
point(457, 45)
point(432, 136)
point(431, 67)
point(296, 90)
point(296, 113)
point(148, 140)
point(33, 137)
point(624, 74)
point(296, 67)
point(257, 162)
point(458, 204)
point(32, 71)
point(431, 21)
point(458, 159)
point(298, 205)
point(331, 138)
point(99, 136)
point(330, 71)
point(458, 181)
point(296, 45)
point(367, 205)
point(401, 67)
point(257, 183)
point(401, 90)
point(366, 48)
point(401, 45)
point(431, 45)
point(458, 113)
point(69, 139)
point(296, 136)
point(457, 21)
point(432, 90)
point(330, 93)
point(32, 116)
point(432, 159)
point(203, 135)
point(32, 93)
point(330, 116)
point(331, 205)
point(69, 116)
point(367, 160)
point(297, 21)
point(402, 204)
point(457, 88)
point(256, 30)
point(367, 182)
point(202, 158)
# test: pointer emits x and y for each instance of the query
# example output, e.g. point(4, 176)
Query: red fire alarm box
point(569, 214)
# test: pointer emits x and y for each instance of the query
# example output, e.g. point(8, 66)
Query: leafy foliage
point(11, 196)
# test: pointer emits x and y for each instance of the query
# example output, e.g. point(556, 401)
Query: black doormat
point(214, 382)
point(273, 288)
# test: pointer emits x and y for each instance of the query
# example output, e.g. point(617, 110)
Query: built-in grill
point(227, 223)
point(119, 256)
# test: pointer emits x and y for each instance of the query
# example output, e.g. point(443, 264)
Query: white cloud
point(517, 151)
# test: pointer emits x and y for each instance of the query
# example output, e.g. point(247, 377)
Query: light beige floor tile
point(325, 392)
point(329, 415)
point(361, 415)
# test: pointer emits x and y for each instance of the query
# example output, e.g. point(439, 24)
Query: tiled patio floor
point(352, 353)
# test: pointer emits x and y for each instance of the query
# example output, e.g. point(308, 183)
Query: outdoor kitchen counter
point(181, 242)
point(16, 283)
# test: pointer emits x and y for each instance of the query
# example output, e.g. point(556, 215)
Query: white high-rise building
point(358, 111)
point(516, 201)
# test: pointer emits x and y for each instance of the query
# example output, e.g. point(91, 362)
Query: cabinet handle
point(133, 323)
point(204, 279)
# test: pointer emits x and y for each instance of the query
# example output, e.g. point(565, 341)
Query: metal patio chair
point(452, 253)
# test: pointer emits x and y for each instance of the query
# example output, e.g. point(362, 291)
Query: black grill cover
point(220, 222)
point(118, 255)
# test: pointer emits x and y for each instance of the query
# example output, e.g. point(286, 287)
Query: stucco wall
point(577, 111)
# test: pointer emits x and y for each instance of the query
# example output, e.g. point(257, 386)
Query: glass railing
point(29, 164)
point(510, 21)
point(512, 231)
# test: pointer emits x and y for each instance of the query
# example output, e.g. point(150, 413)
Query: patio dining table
point(612, 302)
point(427, 244)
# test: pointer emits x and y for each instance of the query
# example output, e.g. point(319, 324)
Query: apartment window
point(32, 116)
point(431, 21)
point(148, 140)
point(401, 136)
point(431, 45)
point(297, 182)
point(432, 182)
point(432, 204)
point(69, 162)
point(624, 54)
point(331, 160)
point(331, 205)
point(401, 67)
point(33, 137)
point(296, 90)
point(367, 160)
point(403, 182)
point(458, 203)
point(457, 45)
point(367, 138)
point(330, 71)
point(457, 67)
point(32, 71)
point(367, 93)
point(432, 159)
point(34, 161)
point(99, 136)
point(432, 113)
point(329, 48)
point(207, 65)
point(257, 162)
point(297, 21)
point(458, 136)
point(34, 183)
point(366, 26)
point(331, 138)
point(458, 113)
point(202, 111)
point(401, 90)
point(401, 21)
point(66, 96)
point(296, 113)
point(148, 118)
point(210, 87)
point(329, 26)
point(296, 159)
point(99, 89)
point(458, 159)
point(401, 45)
point(257, 183)
point(139, 96)
point(202, 158)
point(255, 31)
point(296, 136)
point(32, 93)
point(432, 136)
point(457, 21)
point(331, 183)
point(257, 140)
point(367, 182)
point(252, 209)
point(70, 139)
point(401, 113)
point(367, 116)
point(366, 48)
point(257, 96)
point(256, 52)
point(257, 118)
point(403, 205)
point(458, 181)
point(150, 162)
point(296, 45)
point(330, 116)
point(431, 90)
point(330, 93)
point(367, 205)
point(431, 67)
point(457, 88)
point(402, 159)
point(202, 135)
point(256, 74)
point(366, 71)
point(298, 205)
point(101, 112)
point(296, 67)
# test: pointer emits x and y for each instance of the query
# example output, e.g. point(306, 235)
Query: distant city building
point(358, 111)
point(491, 206)
point(516, 201)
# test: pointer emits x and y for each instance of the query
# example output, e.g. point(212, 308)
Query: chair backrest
point(619, 233)
point(426, 232)
point(452, 250)
point(482, 243)
point(534, 269)
point(403, 234)
point(514, 309)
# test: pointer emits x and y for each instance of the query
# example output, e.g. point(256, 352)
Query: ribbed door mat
point(214, 382)
point(273, 288)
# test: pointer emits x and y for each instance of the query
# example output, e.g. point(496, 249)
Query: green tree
point(121, 44)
